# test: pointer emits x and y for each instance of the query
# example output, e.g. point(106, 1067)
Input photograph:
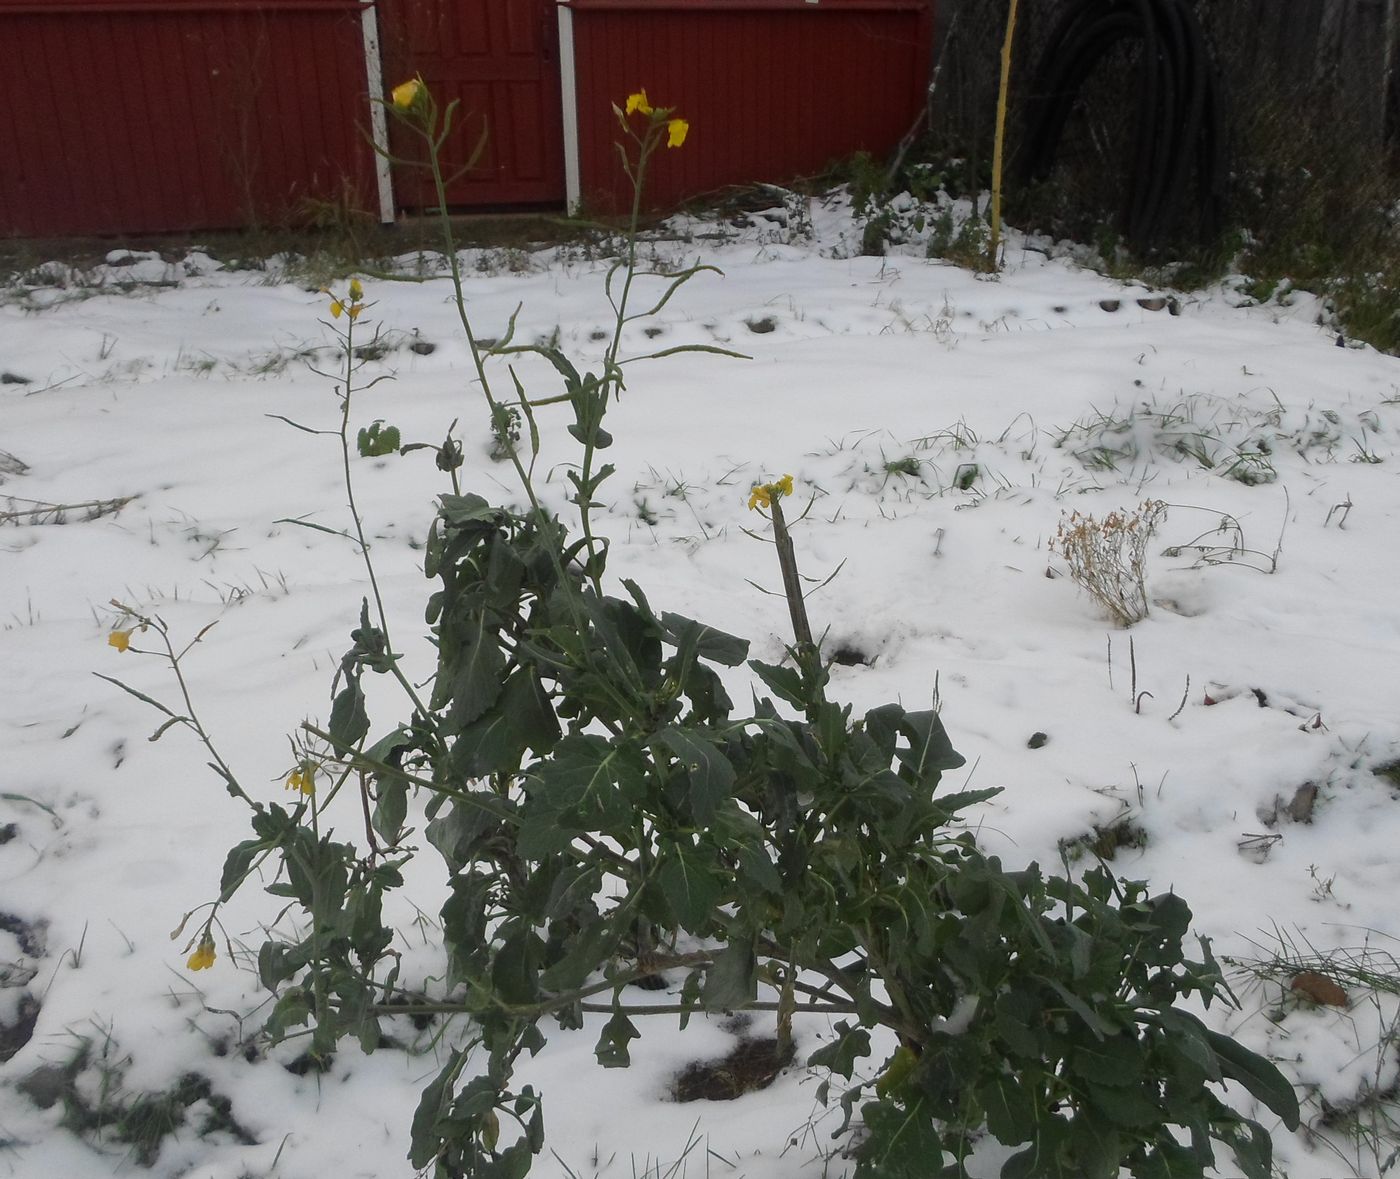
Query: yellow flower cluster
point(203, 956)
point(676, 129)
point(406, 96)
point(120, 639)
point(303, 778)
point(352, 305)
point(763, 494)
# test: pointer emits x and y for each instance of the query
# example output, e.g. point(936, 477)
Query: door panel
point(499, 59)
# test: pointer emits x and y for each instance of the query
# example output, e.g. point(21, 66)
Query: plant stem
point(792, 583)
point(360, 537)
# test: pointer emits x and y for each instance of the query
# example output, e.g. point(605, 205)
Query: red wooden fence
point(772, 88)
point(135, 116)
point(148, 115)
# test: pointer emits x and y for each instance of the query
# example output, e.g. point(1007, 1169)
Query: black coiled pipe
point(1177, 130)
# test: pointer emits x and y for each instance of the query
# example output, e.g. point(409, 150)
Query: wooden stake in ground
point(994, 241)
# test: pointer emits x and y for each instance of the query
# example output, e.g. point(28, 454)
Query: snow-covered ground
point(942, 424)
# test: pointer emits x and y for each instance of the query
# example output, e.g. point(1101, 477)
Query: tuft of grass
point(1105, 841)
point(97, 1107)
point(1362, 1128)
point(908, 466)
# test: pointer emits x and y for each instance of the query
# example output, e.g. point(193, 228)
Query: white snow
point(160, 386)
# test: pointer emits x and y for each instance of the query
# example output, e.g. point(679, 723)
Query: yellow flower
point(203, 956)
point(336, 308)
point(676, 131)
point(120, 639)
point(303, 778)
point(406, 95)
point(638, 102)
point(357, 292)
point(762, 495)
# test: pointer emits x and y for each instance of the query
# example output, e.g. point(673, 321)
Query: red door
point(500, 59)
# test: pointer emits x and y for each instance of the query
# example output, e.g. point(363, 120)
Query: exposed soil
point(15, 1035)
point(752, 1065)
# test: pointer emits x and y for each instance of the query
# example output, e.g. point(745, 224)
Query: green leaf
point(1096, 1145)
point(471, 672)
point(349, 723)
point(930, 751)
point(1100, 1027)
point(690, 888)
point(950, 804)
point(236, 865)
point(587, 783)
point(902, 1143)
point(1185, 1038)
point(709, 774)
point(456, 831)
point(840, 1056)
point(564, 367)
point(389, 748)
point(881, 725)
point(1116, 1061)
point(1043, 1158)
point(1009, 1105)
point(377, 439)
point(515, 972)
point(461, 510)
point(707, 643)
point(1257, 1075)
point(390, 808)
point(601, 438)
point(520, 720)
point(731, 981)
point(757, 871)
point(433, 1107)
point(783, 682)
point(611, 1049)
point(589, 951)
point(1126, 1107)
point(1169, 1160)
point(1018, 1021)
point(1253, 1149)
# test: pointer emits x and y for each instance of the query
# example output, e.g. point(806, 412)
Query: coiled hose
point(1177, 133)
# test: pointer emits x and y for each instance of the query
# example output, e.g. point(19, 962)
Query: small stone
point(1300, 810)
point(1154, 303)
point(1317, 988)
point(16, 1034)
point(1037, 741)
point(1110, 304)
point(46, 1085)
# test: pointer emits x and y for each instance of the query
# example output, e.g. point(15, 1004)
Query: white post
point(379, 126)
point(568, 87)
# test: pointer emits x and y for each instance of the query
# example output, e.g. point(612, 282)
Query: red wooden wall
point(772, 89)
point(149, 115)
